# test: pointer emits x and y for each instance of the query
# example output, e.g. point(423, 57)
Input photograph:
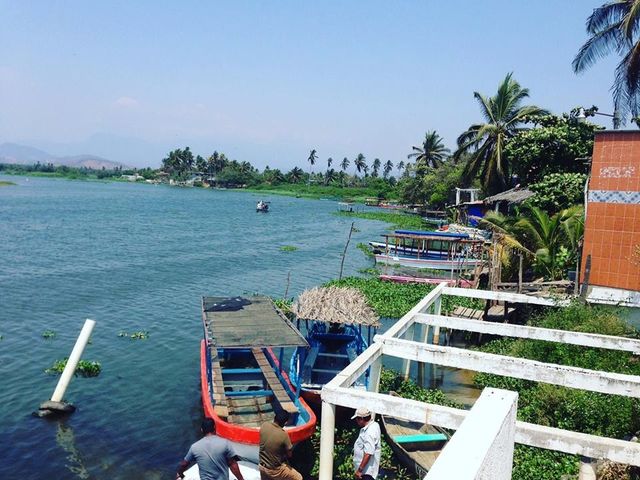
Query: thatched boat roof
point(515, 195)
point(335, 304)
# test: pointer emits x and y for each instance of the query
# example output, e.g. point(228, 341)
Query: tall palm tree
point(485, 142)
point(376, 167)
point(400, 167)
point(312, 161)
point(344, 164)
point(360, 162)
point(386, 169)
point(615, 27)
point(329, 162)
point(295, 175)
point(431, 153)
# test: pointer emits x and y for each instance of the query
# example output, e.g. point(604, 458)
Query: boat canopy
point(451, 237)
point(245, 322)
point(335, 305)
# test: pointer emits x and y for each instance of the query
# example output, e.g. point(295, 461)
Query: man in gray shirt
point(214, 456)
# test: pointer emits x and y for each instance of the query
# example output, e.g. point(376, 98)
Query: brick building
point(612, 228)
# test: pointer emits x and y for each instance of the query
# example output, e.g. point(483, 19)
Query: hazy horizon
point(268, 82)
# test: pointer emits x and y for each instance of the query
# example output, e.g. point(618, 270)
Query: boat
point(431, 250)
point(335, 321)
point(250, 471)
point(262, 206)
point(242, 381)
point(415, 445)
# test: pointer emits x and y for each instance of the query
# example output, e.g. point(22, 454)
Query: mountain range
point(25, 155)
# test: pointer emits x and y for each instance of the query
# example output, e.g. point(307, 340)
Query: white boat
point(249, 471)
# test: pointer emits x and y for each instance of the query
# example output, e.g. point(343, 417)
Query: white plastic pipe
point(72, 363)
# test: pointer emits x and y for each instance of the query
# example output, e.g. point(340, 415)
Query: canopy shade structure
point(245, 322)
point(335, 305)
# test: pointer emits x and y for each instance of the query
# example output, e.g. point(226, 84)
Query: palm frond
point(612, 12)
point(600, 45)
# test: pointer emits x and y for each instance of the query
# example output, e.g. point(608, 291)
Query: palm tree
point(329, 176)
point(376, 167)
point(386, 170)
point(344, 164)
point(486, 141)
point(431, 153)
point(360, 162)
point(329, 162)
point(615, 27)
point(400, 167)
point(312, 161)
point(295, 175)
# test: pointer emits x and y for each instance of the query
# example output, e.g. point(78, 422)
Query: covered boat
point(334, 319)
point(242, 380)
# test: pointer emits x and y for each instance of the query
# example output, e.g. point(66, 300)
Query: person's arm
point(363, 463)
point(181, 468)
point(235, 468)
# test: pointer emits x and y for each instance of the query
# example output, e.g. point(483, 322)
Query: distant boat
point(334, 319)
point(242, 380)
point(262, 206)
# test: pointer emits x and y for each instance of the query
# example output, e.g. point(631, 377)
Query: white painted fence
point(397, 342)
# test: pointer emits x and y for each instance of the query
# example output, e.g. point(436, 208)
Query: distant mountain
point(25, 155)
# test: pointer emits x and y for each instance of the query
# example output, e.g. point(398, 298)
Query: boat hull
point(247, 439)
point(433, 264)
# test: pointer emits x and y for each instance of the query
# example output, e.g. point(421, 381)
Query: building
point(610, 265)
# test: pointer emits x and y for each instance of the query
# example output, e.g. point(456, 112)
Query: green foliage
point(288, 248)
point(552, 146)
point(531, 463)
point(394, 300)
point(577, 410)
point(391, 380)
point(433, 186)
point(85, 368)
point(48, 334)
point(140, 335)
point(6, 184)
point(365, 248)
point(397, 220)
point(558, 191)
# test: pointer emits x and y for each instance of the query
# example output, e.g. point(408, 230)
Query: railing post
point(327, 433)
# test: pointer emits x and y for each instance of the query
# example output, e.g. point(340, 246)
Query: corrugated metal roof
point(243, 322)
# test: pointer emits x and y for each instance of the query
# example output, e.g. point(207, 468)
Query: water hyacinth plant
point(86, 368)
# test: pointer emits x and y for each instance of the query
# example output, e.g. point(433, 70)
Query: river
point(136, 258)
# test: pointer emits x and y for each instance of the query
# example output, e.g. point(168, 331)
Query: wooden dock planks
point(219, 397)
point(273, 381)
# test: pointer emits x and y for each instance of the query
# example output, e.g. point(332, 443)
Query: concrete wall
point(612, 228)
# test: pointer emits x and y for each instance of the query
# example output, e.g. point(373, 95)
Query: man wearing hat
point(366, 450)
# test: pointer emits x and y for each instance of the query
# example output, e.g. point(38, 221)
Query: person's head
point(208, 426)
point(282, 417)
point(362, 416)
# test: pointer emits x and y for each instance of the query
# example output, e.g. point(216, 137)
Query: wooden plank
point(307, 367)
point(418, 438)
point(274, 382)
point(503, 296)
point(219, 397)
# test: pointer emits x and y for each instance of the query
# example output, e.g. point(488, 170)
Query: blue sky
point(266, 82)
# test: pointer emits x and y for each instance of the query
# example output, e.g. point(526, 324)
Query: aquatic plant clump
point(48, 334)
point(86, 368)
point(140, 335)
point(288, 248)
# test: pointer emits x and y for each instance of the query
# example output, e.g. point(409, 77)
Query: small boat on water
point(242, 381)
point(262, 206)
point(417, 446)
point(250, 471)
point(432, 250)
point(333, 319)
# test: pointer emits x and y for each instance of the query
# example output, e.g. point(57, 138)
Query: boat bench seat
point(307, 367)
point(419, 438)
point(274, 382)
point(333, 355)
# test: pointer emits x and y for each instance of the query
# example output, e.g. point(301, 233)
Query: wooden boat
point(432, 250)
point(242, 381)
point(417, 446)
point(333, 319)
point(262, 206)
point(250, 471)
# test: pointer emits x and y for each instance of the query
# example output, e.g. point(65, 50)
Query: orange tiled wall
point(612, 228)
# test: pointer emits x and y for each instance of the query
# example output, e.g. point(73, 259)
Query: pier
point(486, 434)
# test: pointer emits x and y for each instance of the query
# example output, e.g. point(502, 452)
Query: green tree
point(615, 27)
point(295, 175)
point(360, 162)
point(386, 169)
point(558, 191)
point(431, 153)
point(401, 167)
point(313, 156)
point(344, 164)
point(201, 164)
point(556, 144)
point(485, 142)
point(376, 167)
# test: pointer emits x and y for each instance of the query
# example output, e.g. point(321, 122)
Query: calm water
point(135, 257)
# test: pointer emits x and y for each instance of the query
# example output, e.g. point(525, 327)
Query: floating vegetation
point(397, 220)
point(48, 334)
point(86, 368)
point(288, 248)
point(140, 335)
point(5, 184)
point(366, 249)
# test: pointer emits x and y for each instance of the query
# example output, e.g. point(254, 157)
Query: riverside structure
point(486, 434)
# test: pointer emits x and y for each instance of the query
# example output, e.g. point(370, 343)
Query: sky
point(266, 82)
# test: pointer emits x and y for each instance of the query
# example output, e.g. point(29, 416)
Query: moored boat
point(416, 446)
point(242, 381)
point(333, 319)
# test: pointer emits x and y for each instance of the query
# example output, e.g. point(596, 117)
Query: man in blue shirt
point(214, 456)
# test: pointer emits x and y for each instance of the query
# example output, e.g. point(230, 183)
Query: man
point(214, 456)
point(366, 450)
point(276, 449)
